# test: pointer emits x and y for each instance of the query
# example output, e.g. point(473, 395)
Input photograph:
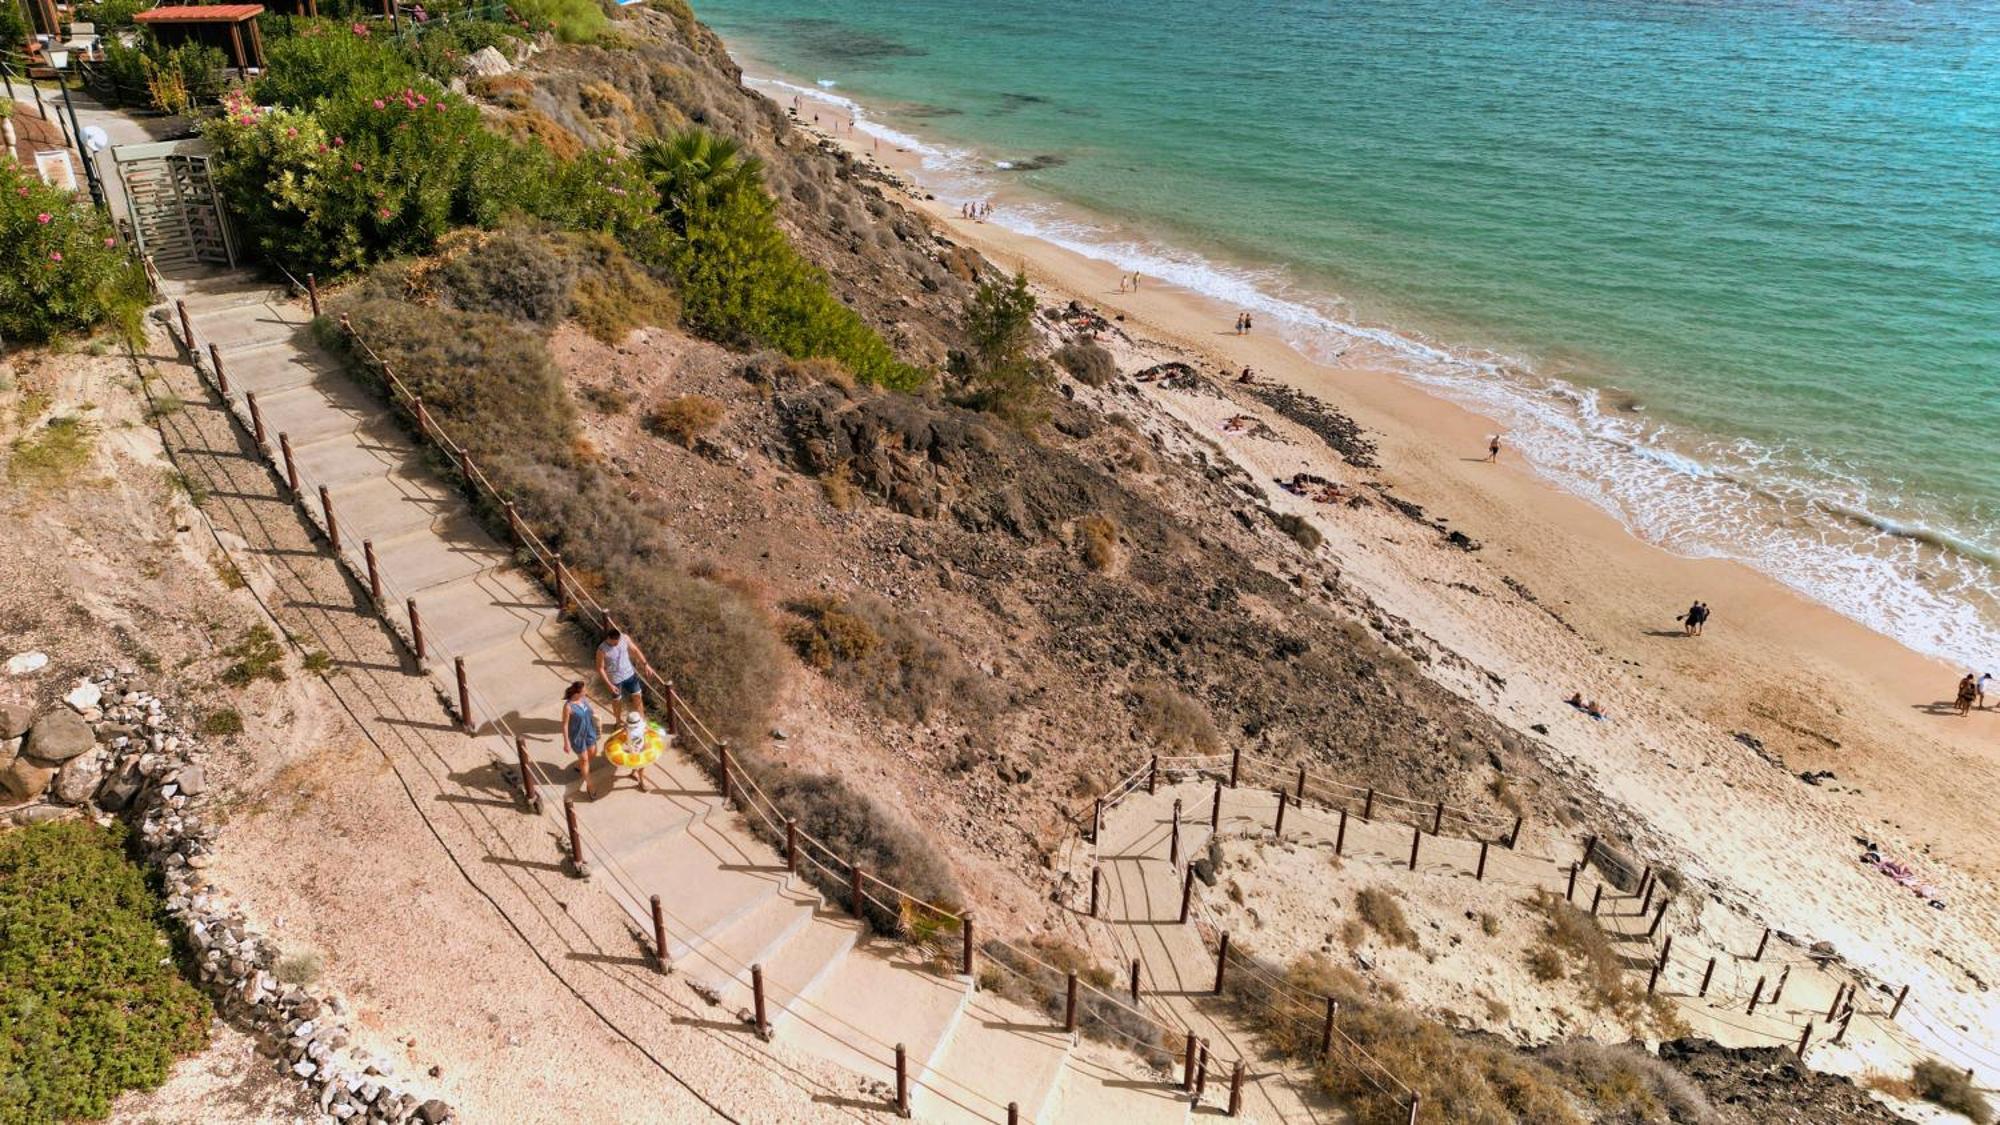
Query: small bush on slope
point(90, 1002)
point(62, 270)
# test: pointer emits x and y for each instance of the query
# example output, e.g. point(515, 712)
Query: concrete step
point(703, 886)
point(797, 965)
point(721, 965)
point(1095, 1087)
point(879, 995)
point(998, 1053)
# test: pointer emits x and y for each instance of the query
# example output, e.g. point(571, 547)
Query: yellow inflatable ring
point(619, 749)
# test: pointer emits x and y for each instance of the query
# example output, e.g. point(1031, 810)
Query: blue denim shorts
point(630, 686)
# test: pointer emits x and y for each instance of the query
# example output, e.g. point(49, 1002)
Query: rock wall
point(111, 747)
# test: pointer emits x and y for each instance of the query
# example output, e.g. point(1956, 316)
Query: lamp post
point(59, 62)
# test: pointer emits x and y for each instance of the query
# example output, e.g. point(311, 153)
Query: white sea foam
point(1816, 530)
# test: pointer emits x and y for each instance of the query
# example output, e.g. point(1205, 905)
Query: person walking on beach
point(1697, 617)
point(1980, 687)
point(619, 659)
point(1135, 281)
point(580, 732)
point(1493, 448)
point(1968, 690)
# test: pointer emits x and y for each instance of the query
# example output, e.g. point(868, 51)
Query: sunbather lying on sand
point(1238, 423)
point(1906, 877)
point(1589, 708)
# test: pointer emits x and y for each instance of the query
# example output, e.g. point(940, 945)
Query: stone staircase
point(727, 899)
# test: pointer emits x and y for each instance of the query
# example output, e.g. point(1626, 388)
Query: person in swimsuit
point(1493, 448)
point(1980, 687)
point(580, 732)
point(1968, 690)
point(1697, 617)
point(619, 659)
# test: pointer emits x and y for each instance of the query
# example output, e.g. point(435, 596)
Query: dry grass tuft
point(1946, 1085)
point(684, 418)
point(1170, 719)
point(1378, 907)
point(1097, 538)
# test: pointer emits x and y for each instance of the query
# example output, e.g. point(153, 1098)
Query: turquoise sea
point(1728, 268)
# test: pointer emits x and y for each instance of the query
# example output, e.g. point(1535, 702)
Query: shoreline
point(1710, 736)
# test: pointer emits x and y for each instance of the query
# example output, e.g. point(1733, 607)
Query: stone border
point(145, 767)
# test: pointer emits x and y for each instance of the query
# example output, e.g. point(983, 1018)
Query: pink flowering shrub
point(62, 270)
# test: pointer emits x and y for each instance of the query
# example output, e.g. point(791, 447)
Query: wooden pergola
point(231, 27)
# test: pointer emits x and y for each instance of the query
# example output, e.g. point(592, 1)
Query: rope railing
point(699, 737)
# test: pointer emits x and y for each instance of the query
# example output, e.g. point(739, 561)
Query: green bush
point(741, 282)
point(13, 26)
point(512, 274)
point(573, 21)
point(62, 269)
point(90, 1002)
point(1000, 374)
point(111, 14)
point(325, 61)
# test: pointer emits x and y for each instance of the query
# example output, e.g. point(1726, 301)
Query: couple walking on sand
point(1243, 324)
point(1972, 693)
point(619, 659)
point(1694, 619)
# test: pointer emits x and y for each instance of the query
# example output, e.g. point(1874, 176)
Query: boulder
point(119, 789)
point(193, 780)
point(433, 1112)
point(25, 780)
point(10, 749)
point(14, 720)
point(27, 663)
point(38, 814)
point(486, 62)
point(57, 737)
point(79, 778)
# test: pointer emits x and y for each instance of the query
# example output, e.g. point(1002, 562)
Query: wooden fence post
point(1013, 1113)
point(332, 525)
point(1437, 820)
point(312, 292)
point(1096, 880)
point(1215, 810)
point(576, 861)
point(1514, 837)
point(1340, 834)
point(464, 694)
point(1589, 850)
point(1756, 995)
point(1479, 876)
point(1326, 1028)
point(291, 466)
point(1840, 1035)
point(1596, 897)
point(1201, 1071)
point(1135, 982)
point(1236, 1089)
point(1187, 1066)
point(1069, 1003)
point(1153, 776)
point(528, 791)
point(221, 374)
point(1659, 916)
point(1221, 961)
point(1805, 1037)
point(1278, 829)
point(1174, 837)
point(757, 993)
point(659, 936)
point(1187, 894)
point(1416, 1100)
point(1761, 943)
point(792, 845)
point(1368, 805)
point(256, 421)
point(416, 629)
point(902, 1081)
point(1235, 765)
point(1096, 820)
point(562, 595)
point(374, 571)
point(1570, 894)
point(965, 944)
point(1898, 1005)
point(1784, 975)
point(1707, 975)
point(187, 329)
point(1416, 841)
point(1646, 903)
point(1666, 950)
point(1301, 794)
point(1833, 1009)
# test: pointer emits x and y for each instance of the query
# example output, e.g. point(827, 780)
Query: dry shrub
point(1087, 363)
point(511, 91)
point(601, 99)
point(839, 487)
point(1546, 963)
point(1299, 528)
point(684, 418)
point(534, 126)
point(1172, 720)
point(1098, 539)
point(1572, 938)
point(900, 667)
point(1038, 976)
point(514, 274)
point(614, 294)
point(1946, 1085)
point(605, 399)
point(1623, 1083)
point(1488, 924)
point(1378, 907)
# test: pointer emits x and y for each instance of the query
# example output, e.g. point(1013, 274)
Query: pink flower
point(24, 192)
point(110, 242)
point(378, 103)
point(291, 132)
point(361, 29)
point(246, 119)
point(55, 255)
point(44, 218)
point(384, 212)
point(339, 141)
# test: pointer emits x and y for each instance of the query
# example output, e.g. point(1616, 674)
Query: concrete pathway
point(726, 899)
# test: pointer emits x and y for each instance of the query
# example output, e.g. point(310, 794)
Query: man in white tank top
point(619, 659)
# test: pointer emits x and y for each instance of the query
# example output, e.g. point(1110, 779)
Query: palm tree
point(695, 170)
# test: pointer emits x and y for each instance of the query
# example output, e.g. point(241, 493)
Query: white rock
point(84, 695)
point(27, 663)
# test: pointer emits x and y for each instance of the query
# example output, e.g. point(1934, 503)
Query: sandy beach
point(1707, 737)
